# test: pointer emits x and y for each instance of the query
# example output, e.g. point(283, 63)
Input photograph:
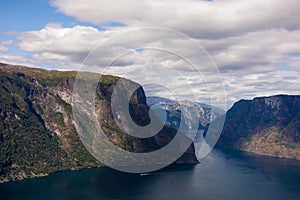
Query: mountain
point(194, 114)
point(152, 100)
point(265, 125)
point(37, 128)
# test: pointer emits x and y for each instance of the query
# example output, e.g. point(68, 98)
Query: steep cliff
point(264, 125)
point(37, 129)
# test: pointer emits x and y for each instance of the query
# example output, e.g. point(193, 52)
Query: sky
point(215, 52)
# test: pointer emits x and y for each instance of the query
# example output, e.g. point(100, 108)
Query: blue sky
point(30, 15)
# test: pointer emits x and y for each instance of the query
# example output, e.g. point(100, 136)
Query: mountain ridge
point(38, 135)
point(265, 125)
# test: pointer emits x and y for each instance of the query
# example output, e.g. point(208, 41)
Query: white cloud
point(261, 51)
point(249, 86)
point(3, 45)
point(55, 39)
point(197, 18)
point(16, 60)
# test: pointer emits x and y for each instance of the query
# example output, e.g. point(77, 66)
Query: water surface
point(224, 174)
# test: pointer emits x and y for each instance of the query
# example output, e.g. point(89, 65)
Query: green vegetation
point(27, 104)
point(108, 79)
point(27, 147)
point(68, 107)
point(58, 118)
point(291, 146)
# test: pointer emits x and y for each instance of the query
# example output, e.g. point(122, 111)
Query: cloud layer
point(256, 44)
point(201, 19)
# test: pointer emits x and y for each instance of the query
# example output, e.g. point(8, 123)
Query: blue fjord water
point(224, 174)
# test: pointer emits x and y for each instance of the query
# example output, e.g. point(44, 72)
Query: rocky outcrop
point(264, 125)
point(37, 129)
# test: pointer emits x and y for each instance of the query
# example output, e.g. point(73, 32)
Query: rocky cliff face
point(264, 125)
point(37, 130)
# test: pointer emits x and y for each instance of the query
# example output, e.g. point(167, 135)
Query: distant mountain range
point(265, 125)
point(196, 115)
